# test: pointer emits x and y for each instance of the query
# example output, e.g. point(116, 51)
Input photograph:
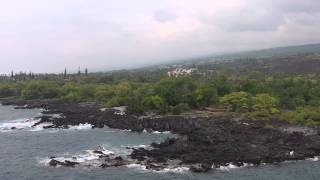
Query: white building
point(180, 72)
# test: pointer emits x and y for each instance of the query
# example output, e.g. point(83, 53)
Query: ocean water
point(24, 152)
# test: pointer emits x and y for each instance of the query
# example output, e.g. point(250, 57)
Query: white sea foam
point(232, 166)
point(29, 124)
point(130, 147)
point(141, 167)
point(44, 161)
point(57, 116)
point(137, 146)
point(314, 159)
point(23, 124)
point(40, 127)
point(228, 167)
point(103, 150)
point(137, 166)
point(126, 130)
point(89, 157)
point(19, 124)
point(156, 132)
point(85, 126)
point(174, 170)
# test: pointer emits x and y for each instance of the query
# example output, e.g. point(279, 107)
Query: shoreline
point(203, 142)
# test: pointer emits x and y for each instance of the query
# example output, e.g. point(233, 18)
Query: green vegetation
point(262, 96)
point(236, 101)
point(264, 105)
point(293, 97)
point(303, 115)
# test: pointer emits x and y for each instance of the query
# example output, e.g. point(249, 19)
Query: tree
point(103, 93)
point(41, 90)
point(265, 105)
point(122, 92)
point(206, 94)
point(155, 103)
point(177, 90)
point(303, 115)
point(178, 109)
point(7, 90)
point(86, 72)
point(236, 101)
point(223, 85)
point(65, 73)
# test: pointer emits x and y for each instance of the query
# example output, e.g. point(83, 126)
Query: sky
point(49, 35)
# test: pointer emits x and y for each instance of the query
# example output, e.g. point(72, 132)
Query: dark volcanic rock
point(55, 163)
point(98, 152)
point(114, 162)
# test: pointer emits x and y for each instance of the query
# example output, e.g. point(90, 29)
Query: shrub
point(303, 115)
point(182, 107)
point(236, 101)
point(264, 105)
point(41, 90)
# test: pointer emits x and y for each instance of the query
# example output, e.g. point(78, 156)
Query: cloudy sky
point(48, 35)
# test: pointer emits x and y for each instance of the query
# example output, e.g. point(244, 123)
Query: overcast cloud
point(48, 35)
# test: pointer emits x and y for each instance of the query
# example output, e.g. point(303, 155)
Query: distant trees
point(298, 97)
point(65, 74)
point(86, 72)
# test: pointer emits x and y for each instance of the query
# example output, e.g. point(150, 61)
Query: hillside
point(303, 59)
point(276, 52)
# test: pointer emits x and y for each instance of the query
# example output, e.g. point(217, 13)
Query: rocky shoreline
point(203, 143)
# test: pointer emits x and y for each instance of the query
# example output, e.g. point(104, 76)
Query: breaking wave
point(165, 170)
point(85, 126)
point(30, 125)
point(21, 124)
point(87, 158)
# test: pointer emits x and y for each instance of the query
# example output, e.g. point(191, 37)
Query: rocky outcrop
point(67, 163)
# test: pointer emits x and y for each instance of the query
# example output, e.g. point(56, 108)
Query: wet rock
point(200, 168)
point(54, 163)
point(67, 163)
point(70, 163)
point(98, 125)
point(115, 162)
point(98, 152)
point(155, 167)
point(118, 158)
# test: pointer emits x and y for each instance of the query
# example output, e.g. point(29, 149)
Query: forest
point(295, 98)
